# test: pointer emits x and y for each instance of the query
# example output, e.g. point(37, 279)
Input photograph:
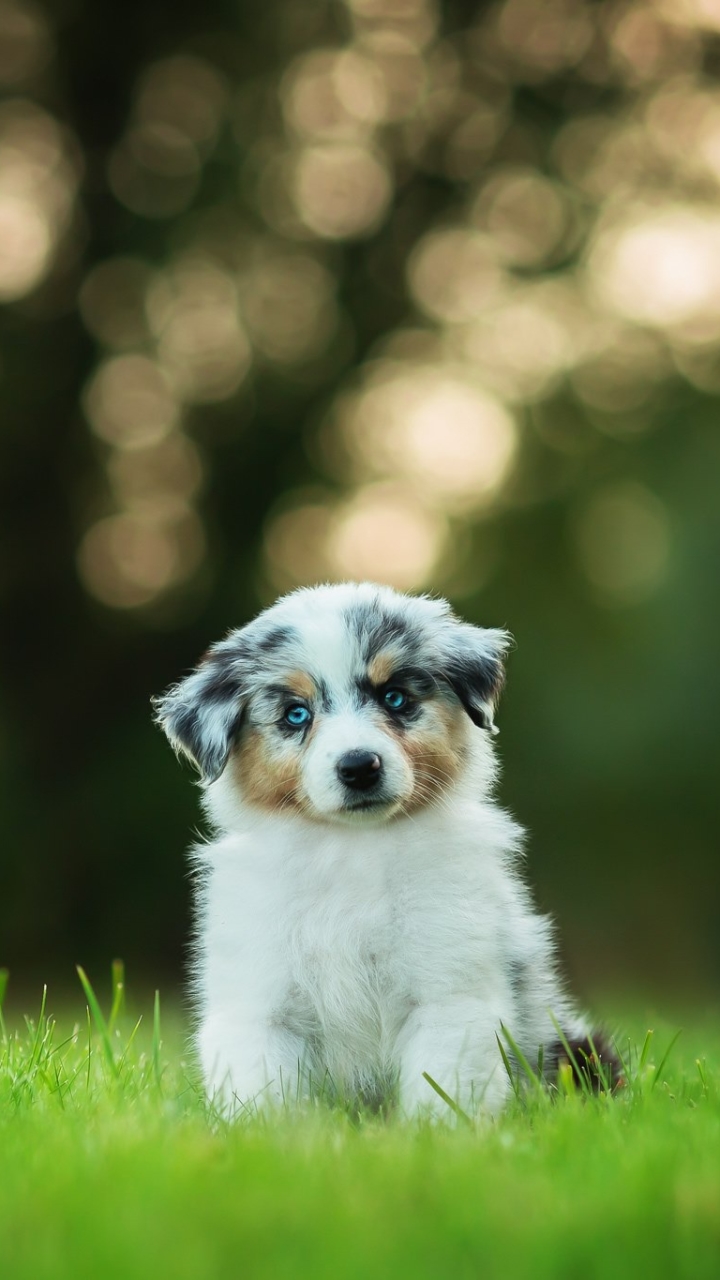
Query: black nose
point(359, 769)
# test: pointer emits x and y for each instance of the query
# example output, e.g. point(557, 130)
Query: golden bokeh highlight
point(544, 39)
point(522, 347)
point(361, 87)
point(432, 426)
point(194, 313)
point(157, 480)
point(341, 190)
point(382, 532)
point(415, 20)
point(129, 402)
point(524, 214)
point(26, 245)
point(454, 274)
point(333, 95)
point(288, 306)
point(575, 265)
point(25, 42)
point(178, 108)
point(472, 138)
point(385, 533)
point(38, 184)
point(127, 560)
point(296, 541)
point(623, 375)
point(661, 267)
point(402, 70)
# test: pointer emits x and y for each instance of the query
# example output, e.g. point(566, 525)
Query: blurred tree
point(366, 289)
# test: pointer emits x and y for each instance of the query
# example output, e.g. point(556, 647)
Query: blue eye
point(395, 699)
point(297, 715)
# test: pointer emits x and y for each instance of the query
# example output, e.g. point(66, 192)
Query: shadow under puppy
point(361, 919)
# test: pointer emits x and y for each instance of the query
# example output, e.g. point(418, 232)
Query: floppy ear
point(473, 667)
point(202, 714)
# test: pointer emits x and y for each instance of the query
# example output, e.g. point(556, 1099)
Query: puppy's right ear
point(473, 667)
point(202, 714)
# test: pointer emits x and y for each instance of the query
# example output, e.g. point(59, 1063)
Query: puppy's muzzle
point(359, 770)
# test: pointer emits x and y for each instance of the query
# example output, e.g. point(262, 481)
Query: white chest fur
point(324, 946)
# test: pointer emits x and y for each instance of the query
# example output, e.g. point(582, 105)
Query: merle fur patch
point(202, 714)
point(473, 667)
point(377, 628)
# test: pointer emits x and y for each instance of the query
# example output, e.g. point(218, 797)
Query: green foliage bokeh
point(609, 720)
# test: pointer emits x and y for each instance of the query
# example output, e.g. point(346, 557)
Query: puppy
point(361, 920)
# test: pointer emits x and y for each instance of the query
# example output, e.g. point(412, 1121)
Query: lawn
point(112, 1166)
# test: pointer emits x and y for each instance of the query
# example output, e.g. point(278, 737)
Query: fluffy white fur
point(352, 941)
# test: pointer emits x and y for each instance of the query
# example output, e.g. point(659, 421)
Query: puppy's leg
point(252, 1066)
point(455, 1043)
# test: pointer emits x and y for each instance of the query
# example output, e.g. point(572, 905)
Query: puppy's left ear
point(202, 714)
point(474, 669)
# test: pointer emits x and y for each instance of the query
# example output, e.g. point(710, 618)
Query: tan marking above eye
point(301, 684)
point(381, 667)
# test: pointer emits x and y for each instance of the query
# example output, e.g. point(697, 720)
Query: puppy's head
point(344, 703)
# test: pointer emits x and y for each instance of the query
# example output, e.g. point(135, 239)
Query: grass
point(112, 1166)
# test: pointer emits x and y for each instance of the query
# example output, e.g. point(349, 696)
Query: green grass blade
point(157, 1042)
point(624, 1061)
point(522, 1060)
point(581, 1076)
point(508, 1067)
point(452, 1104)
point(645, 1051)
point(127, 1174)
point(566, 1081)
point(100, 1023)
point(39, 1031)
point(89, 1050)
point(118, 990)
point(664, 1059)
point(126, 1051)
point(602, 1071)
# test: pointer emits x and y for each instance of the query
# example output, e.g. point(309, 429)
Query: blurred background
point(425, 293)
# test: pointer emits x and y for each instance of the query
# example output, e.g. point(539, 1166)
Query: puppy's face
point(344, 703)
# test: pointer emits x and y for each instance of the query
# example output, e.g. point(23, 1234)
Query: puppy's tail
point(592, 1060)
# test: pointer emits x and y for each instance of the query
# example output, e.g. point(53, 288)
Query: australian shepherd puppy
point(361, 920)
